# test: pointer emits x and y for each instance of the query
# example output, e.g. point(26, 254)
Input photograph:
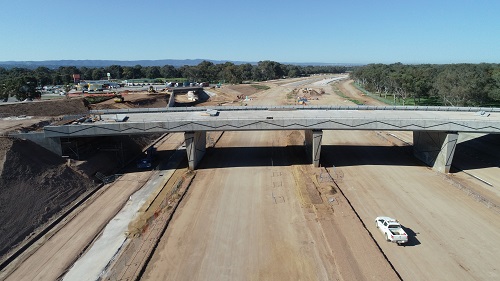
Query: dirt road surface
point(452, 236)
point(231, 228)
point(252, 214)
point(257, 210)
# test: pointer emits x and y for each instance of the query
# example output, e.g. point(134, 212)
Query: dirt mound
point(35, 184)
point(319, 92)
point(46, 108)
point(136, 100)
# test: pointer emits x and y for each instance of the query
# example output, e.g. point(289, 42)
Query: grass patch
point(260, 87)
point(339, 93)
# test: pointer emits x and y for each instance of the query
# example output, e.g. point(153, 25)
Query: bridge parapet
point(294, 107)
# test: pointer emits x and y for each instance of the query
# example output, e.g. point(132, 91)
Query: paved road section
point(91, 265)
point(256, 120)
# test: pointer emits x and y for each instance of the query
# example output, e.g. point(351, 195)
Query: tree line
point(23, 82)
point(426, 84)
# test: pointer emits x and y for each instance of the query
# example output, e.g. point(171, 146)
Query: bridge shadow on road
point(351, 155)
point(227, 157)
point(477, 153)
point(481, 148)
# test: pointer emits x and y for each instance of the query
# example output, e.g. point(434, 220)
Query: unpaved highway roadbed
point(244, 219)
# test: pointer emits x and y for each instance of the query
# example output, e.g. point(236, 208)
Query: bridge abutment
point(313, 145)
point(436, 149)
point(52, 144)
point(196, 143)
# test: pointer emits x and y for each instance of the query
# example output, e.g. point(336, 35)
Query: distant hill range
point(104, 63)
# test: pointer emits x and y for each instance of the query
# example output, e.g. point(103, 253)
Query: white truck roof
point(388, 219)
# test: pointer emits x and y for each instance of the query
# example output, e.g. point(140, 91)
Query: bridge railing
point(294, 107)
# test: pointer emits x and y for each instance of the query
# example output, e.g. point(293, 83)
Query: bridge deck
point(254, 120)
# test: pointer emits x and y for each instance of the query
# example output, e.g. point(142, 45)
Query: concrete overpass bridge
point(435, 129)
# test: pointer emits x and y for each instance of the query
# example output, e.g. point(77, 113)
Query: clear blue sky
point(329, 31)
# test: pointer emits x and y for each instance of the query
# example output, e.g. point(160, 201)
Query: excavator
point(118, 99)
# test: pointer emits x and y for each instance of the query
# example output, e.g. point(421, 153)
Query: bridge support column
point(196, 143)
point(171, 100)
point(313, 145)
point(436, 149)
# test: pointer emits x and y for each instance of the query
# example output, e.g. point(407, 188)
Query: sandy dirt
point(140, 99)
point(31, 116)
point(228, 229)
point(257, 210)
point(62, 248)
point(349, 90)
point(45, 108)
point(52, 256)
point(35, 184)
point(263, 220)
point(452, 236)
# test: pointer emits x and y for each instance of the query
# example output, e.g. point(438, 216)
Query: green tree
point(231, 74)
point(461, 85)
point(98, 74)
point(152, 72)
point(4, 90)
point(168, 71)
point(86, 73)
point(206, 71)
point(245, 71)
point(116, 71)
point(137, 72)
point(23, 87)
point(43, 75)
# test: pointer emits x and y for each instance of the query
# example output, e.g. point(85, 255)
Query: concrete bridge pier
point(436, 149)
point(313, 145)
point(196, 143)
point(171, 100)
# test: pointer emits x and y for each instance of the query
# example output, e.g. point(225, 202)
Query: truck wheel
point(387, 237)
point(376, 224)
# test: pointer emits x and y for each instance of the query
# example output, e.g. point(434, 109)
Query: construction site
point(129, 208)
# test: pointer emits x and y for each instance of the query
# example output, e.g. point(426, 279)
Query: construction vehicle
point(118, 99)
point(146, 162)
point(302, 100)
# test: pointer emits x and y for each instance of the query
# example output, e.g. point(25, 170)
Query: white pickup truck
point(392, 230)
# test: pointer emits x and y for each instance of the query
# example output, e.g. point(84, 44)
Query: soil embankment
point(35, 184)
point(46, 108)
